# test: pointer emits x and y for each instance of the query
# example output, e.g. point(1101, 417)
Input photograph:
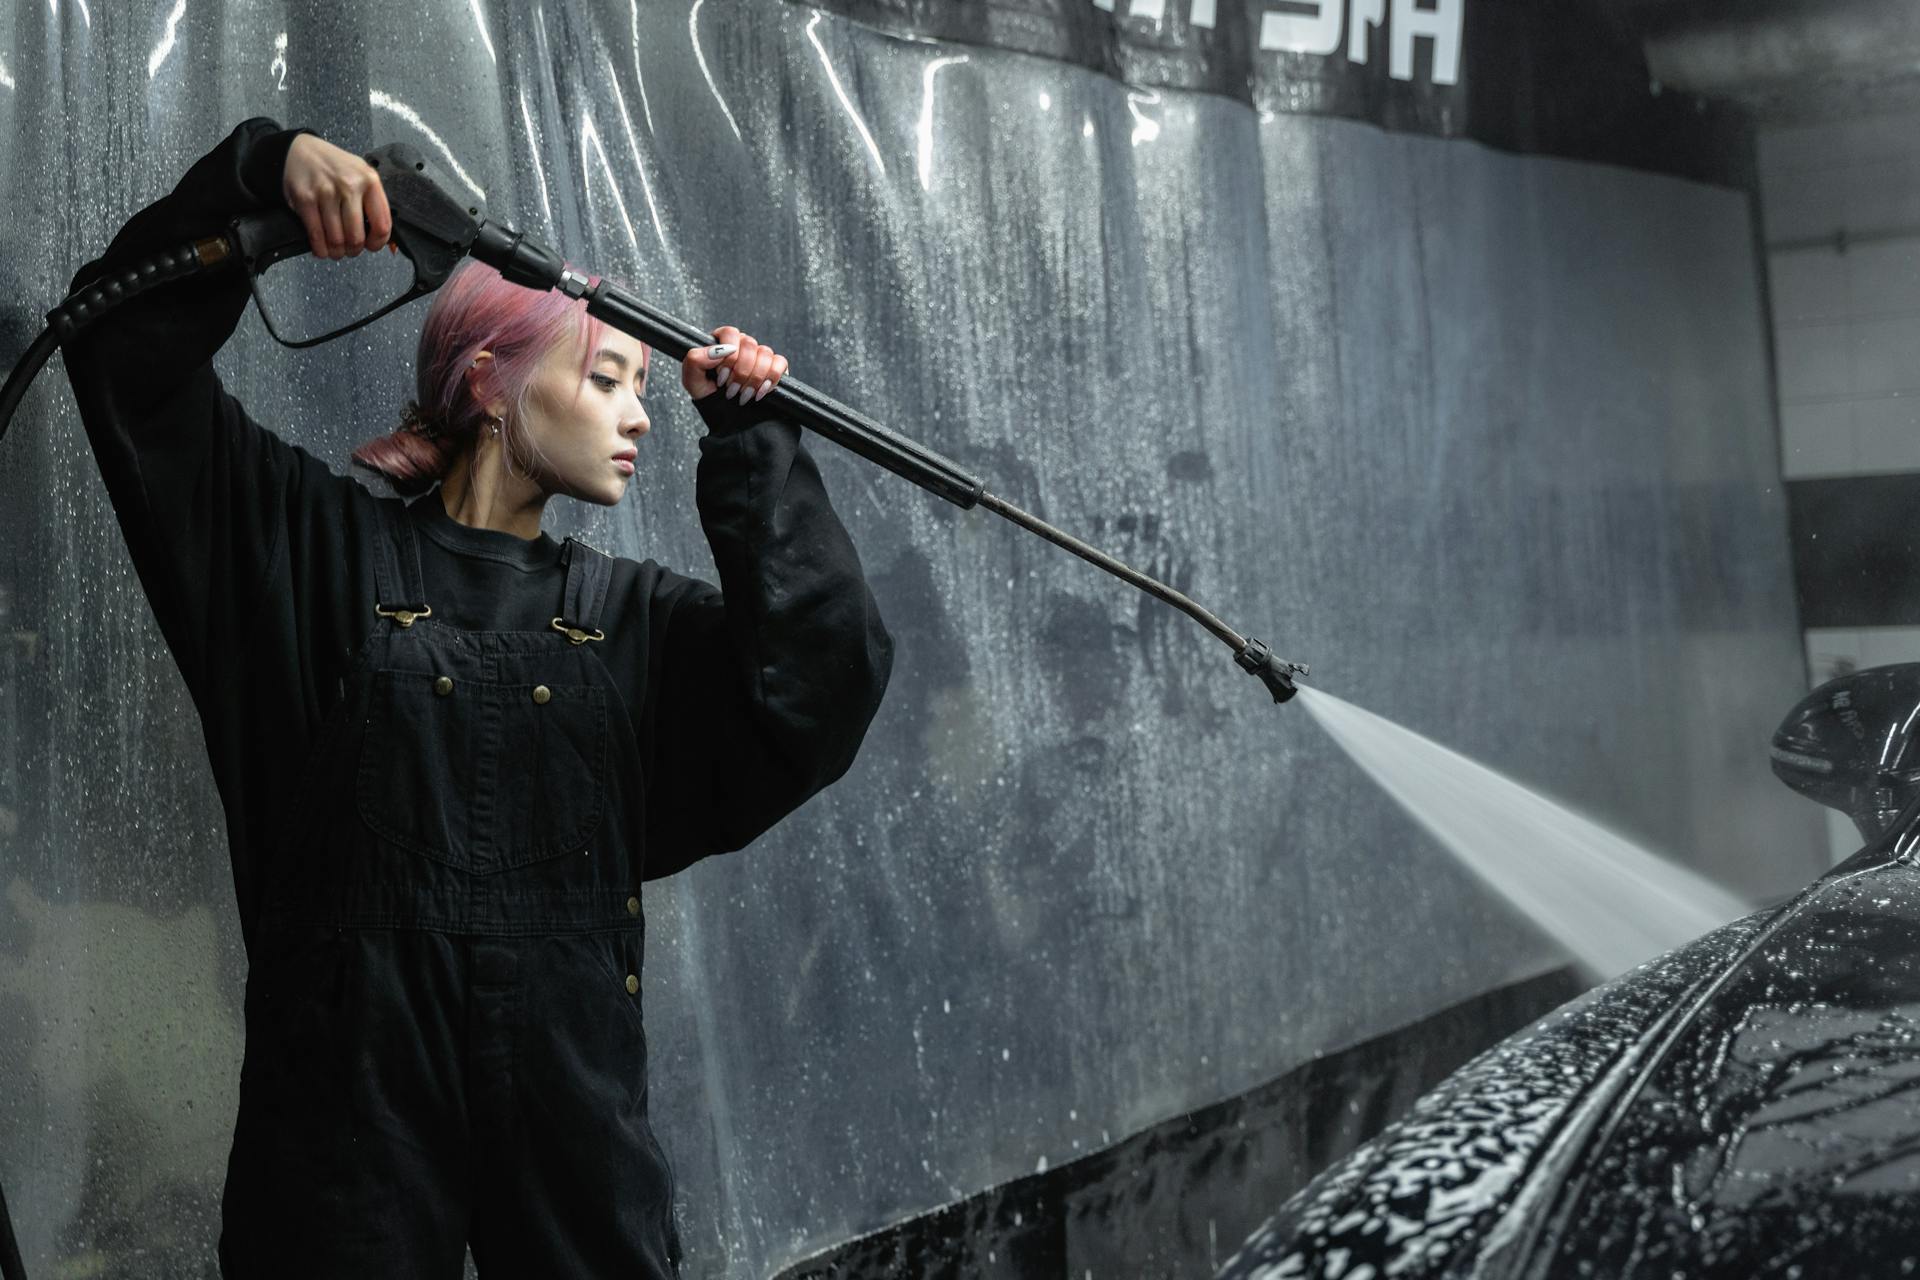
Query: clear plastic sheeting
point(1484, 439)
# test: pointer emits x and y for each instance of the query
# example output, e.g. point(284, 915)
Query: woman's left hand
point(751, 369)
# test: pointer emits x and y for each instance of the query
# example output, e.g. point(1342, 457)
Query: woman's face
point(587, 426)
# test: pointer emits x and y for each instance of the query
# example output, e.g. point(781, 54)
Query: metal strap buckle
point(404, 617)
point(576, 634)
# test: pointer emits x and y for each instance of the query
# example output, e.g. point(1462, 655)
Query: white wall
point(1846, 332)
point(1846, 321)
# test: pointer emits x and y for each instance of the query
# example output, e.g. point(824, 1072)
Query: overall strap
point(396, 567)
point(589, 570)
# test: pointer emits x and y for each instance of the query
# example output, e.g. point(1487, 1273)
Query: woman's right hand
point(338, 197)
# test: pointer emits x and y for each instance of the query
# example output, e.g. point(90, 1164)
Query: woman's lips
point(624, 465)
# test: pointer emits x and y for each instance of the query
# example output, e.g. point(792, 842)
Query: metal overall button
point(618, 955)
point(405, 617)
point(443, 686)
point(576, 635)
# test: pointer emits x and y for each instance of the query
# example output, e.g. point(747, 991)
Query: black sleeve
point(203, 494)
point(768, 683)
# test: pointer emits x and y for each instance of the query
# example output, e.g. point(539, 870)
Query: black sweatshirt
point(255, 557)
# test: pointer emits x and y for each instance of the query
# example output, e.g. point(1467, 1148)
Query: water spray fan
point(435, 231)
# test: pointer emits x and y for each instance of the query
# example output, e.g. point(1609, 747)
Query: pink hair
point(477, 310)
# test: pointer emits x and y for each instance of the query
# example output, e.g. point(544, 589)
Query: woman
point(450, 748)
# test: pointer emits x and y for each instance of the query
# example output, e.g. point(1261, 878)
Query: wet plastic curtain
point(1485, 438)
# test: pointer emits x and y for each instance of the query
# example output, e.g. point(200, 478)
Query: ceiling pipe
point(1782, 47)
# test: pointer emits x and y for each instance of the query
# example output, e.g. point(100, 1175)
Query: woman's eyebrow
point(608, 353)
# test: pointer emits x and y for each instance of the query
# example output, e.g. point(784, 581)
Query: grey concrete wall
point(1485, 439)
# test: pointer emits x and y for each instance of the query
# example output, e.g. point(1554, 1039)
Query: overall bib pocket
point(551, 783)
point(482, 776)
point(418, 762)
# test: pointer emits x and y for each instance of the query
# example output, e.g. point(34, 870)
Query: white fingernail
point(764, 388)
point(720, 349)
point(720, 378)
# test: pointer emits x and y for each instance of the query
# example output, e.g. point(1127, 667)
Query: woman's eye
point(607, 382)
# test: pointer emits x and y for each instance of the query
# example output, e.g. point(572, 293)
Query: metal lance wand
point(436, 230)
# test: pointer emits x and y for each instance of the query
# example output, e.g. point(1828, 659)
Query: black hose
point(11, 1268)
point(73, 314)
point(21, 377)
point(82, 307)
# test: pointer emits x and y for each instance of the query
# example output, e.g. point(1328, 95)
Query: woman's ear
point(480, 386)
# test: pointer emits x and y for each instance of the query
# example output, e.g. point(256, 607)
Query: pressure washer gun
point(435, 231)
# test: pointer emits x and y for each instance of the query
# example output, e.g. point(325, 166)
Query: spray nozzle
point(1276, 673)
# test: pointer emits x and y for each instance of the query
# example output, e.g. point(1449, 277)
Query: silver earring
point(495, 428)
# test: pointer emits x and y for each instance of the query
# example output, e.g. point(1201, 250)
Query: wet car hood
point(1746, 1105)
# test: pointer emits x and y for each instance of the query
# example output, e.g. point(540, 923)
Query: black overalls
point(438, 836)
point(444, 1038)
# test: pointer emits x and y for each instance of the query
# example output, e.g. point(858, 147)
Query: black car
point(1746, 1105)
